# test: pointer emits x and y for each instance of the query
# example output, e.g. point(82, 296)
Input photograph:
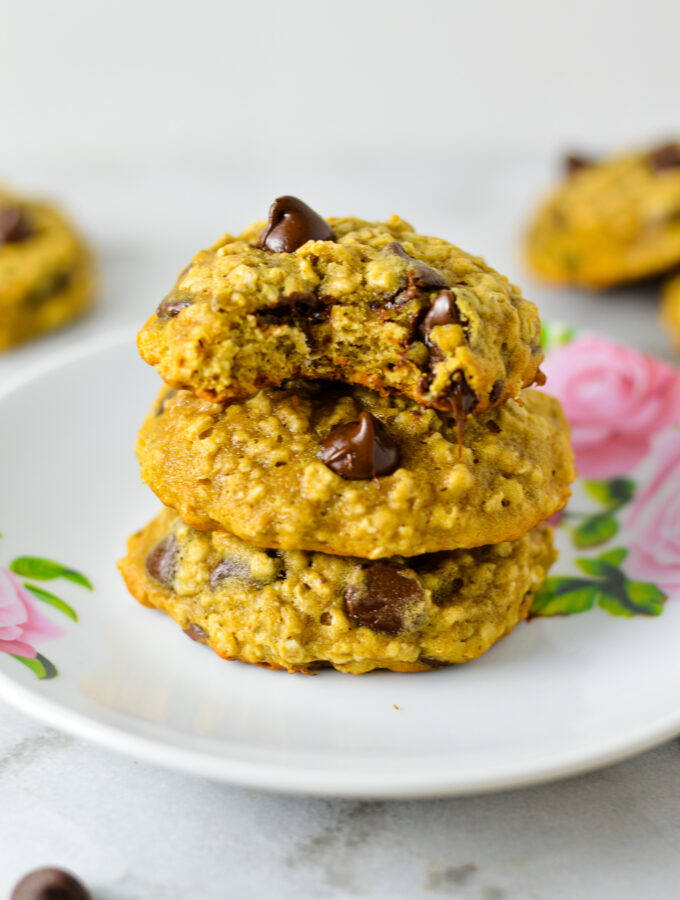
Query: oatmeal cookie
point(341, 469)
point(298, 611)
point(371, 303)
point(45, 270)
point(610, 221)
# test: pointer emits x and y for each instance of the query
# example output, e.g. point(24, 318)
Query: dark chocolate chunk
point(387, 599)
point(173, 305)
point(574, 162)
point(50, 884)
point(442, 312)
point(161, 562)
point(14, 225)
point(665, 157)
point(291, 224)
point(362, 449)
point(196, 633)
point(419, 277)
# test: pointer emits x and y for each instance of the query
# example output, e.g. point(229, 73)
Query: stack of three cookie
point(352, 472)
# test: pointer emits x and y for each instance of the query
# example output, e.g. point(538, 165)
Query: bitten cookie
point(610, 221)
point(340, 469)
point(297, 611)
point(370, 303)
point(45, 270)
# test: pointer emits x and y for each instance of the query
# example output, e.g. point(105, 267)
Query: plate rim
point(295, 778)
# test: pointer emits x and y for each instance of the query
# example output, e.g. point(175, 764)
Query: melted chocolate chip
point(165, 399)
point(434, 663)
point(173, 305)
point(442, 312)
point(575, 162)
point(419, 277)
point(50, 884)
point(291, 224)
point(496, 391)
point(665, 157)
point(362, 449)
point(463, 398)
point(387, 599)
point(14, 225)
point(229, 567)
point(298, 306)
point(493, 427)
point(161, 562)
point(196, 633)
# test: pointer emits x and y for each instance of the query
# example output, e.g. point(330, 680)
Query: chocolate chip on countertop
point(196, 633)
point(291, 224)
point(50, 884)
point(14, 225)
point(575, 162)
point(173, 305)
point(161, 562)
point(362, 449)
point(442, 312)
point(665, 157)
point(387, 599)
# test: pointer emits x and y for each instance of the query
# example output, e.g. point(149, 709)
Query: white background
point(161, 125)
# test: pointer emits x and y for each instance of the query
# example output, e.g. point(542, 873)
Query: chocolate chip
point(161, 562)
point(14, 225)
point(386, 598)
point(463, 398)
point(419, 277)
point(165, 399)
point(50, 884)
point(496, 391)
point(493, 427)
point(291, 224)
point(296, 307)
point(173, 305)
point(229, 567)
point(434, 663)
point(196, 633)
point(447, 593)
point(442, 312)
point(665, 157)
point(362, 449)
point(575, 162)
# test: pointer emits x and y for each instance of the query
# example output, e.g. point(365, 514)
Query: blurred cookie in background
point(46, 275)
point(609, 221)
point(670, 308)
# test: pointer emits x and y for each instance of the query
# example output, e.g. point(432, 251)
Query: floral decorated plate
point(593, 677)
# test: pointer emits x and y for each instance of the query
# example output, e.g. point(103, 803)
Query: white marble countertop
point(134, 831)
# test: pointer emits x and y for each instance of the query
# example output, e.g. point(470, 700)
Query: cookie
point(610, 221)
point(341, 469)
point(670, 308)
point(370, 303)
point(45, 270)
point(298, 611)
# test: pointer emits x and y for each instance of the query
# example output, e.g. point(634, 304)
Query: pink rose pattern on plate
point(22, 624)
point(624, 412)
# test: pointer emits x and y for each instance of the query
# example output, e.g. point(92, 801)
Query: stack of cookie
point(352, 473)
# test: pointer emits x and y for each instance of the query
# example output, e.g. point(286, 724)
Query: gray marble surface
point(134, 831)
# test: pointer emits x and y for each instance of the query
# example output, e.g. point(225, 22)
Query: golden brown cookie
point(293, 468)
point(371, 303)
point(610, 221)
point(45, 270)
point(298, 611)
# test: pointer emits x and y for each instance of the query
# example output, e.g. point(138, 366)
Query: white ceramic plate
point(557, 697)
